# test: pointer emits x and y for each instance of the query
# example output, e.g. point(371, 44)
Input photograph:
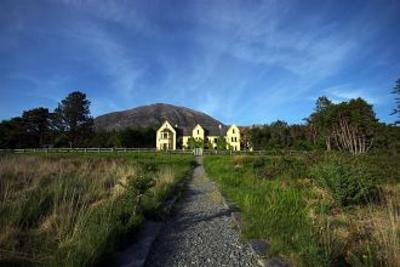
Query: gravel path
point(201, 232)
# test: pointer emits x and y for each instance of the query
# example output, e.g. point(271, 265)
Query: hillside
point(153, 116)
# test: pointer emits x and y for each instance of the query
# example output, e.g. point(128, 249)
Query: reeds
point(302, 220)
point(72, 211)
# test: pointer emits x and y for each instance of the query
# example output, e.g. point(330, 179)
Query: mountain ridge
point(153, 116)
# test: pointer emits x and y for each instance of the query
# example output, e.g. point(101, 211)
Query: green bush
point(347, 185)
point(279, 167)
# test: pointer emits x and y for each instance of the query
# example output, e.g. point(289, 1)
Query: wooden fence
point(146, 150)
point(92, 150)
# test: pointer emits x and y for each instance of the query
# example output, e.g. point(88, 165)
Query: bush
point(279, 167)
point(347, 185)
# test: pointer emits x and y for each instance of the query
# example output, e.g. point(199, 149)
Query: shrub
point(275, 167)
point(347, 185)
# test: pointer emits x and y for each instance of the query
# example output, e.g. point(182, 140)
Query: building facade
point(170, 137)
point(166, 137)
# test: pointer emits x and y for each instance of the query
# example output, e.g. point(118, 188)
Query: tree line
point(69, 125)
point(349, 126)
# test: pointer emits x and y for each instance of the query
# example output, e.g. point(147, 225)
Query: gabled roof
point(168, 125)
point(213, 130)
point(210, 130)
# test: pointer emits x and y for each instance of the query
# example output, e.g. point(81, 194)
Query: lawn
point(76, 209)
point(317, 209)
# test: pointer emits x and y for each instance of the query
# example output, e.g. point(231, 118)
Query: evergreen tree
point(38, 126)
point(72, 118)
point(396, 91)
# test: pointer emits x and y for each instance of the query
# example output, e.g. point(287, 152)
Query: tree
point(13, 134)
point(349, 126)
point(396, 110)
point(387, 138)
point(209, 144)
point(195, 143)
point(37, 124)
point(245, 138)
point(221, 143)
point(72, 117)
point(299, 137)
point(352, 125)
point(319, 122)
point(279, 134)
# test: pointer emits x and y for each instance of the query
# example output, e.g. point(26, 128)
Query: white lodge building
point(170, 137)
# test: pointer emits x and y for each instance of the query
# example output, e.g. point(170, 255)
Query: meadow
point(317, 209)
point(76, 209)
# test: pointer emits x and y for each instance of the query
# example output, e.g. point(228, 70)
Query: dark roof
point(212, 130)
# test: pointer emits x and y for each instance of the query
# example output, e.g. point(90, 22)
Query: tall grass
point(387, 231)
point(270, 210)
point(74, 211)
point(317, 210)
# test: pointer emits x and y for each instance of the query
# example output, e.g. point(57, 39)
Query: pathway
point(201, 232)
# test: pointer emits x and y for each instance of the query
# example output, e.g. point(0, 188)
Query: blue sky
point(242, 62)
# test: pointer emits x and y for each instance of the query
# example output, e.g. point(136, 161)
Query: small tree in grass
point(222, 144)
point(195, 143)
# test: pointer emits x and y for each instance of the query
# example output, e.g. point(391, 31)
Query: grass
point(75, 210)
point(304, 220)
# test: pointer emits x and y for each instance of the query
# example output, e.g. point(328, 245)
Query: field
point(317, 209)
point(76, 209)
point(314, 209)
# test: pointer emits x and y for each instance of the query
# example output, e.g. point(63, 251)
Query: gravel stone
point(201, 232)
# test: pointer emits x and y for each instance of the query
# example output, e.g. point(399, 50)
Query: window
point(215, 139)
point(198, 131)
point(233, 131)
point(165, 135)
point(232, 139)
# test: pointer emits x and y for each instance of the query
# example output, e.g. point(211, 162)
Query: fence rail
point(89, 150)
point(145, 150)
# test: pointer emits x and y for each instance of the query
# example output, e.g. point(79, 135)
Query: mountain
point(153, 116)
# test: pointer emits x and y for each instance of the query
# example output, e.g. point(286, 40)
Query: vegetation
point(348, 126)
point(72, 120)
point(396, 92)
point(195, 143)
point(70, 125)
point(74, 210)
point(335, 205)
point(317, 209)
point(142, 138)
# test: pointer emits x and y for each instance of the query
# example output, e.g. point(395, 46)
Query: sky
point(243, 62)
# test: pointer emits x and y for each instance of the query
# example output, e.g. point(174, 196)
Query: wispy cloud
point(346, 92)
point(237, 61)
